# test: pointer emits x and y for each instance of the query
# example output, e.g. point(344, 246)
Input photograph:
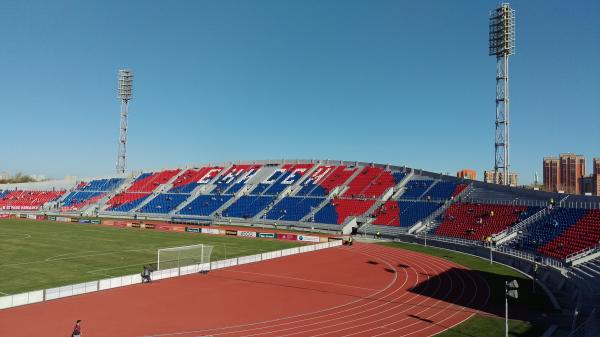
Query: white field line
point(58, 258)
point(15, 236)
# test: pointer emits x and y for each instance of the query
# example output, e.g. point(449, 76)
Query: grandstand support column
point(502, 45)
point(125, 95)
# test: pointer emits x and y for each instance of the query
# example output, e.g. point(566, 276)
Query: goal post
point(176, 257)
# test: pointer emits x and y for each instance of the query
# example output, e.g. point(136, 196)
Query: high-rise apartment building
point(567, 174)
point(552, 174)
point(572, 169)
point(467, 174)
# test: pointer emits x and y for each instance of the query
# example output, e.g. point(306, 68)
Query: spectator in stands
point(378, 235)
point(77, 329)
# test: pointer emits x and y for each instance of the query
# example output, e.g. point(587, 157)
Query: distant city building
point(552, 174)
point(467, 174)
point(572, 169)
point(4, 176)
point(596, 177)
point(567, 174)
point(488, 177)
point(38, 177)
point(587, 184)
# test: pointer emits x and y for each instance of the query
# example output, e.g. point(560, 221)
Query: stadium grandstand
point(339, 197)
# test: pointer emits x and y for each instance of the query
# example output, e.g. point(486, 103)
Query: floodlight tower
point(125, 95)
point(502, 45)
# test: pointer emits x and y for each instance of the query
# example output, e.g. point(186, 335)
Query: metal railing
point(582, 253)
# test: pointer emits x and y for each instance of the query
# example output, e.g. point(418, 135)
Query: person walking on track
point(77, 329)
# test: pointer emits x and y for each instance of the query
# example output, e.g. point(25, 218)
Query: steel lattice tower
point(125, 95)
point(502, 45)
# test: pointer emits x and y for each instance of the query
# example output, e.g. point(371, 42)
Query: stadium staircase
point(103, 203)
point(516, 232)
point(288, 191)
point(163, 188)
point(432, 221)
point(337, 191)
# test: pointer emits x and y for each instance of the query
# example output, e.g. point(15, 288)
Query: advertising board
point(211, 231)
point(308, 238)
point(246, 234)
point(267, 235)
point(287, 236)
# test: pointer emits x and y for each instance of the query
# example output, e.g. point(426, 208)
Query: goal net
point(176, 257)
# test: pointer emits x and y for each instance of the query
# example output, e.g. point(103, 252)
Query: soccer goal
point(176, 257)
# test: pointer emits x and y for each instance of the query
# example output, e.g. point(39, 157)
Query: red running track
point(364, 290)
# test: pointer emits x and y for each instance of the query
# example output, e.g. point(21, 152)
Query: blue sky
point(402, 82)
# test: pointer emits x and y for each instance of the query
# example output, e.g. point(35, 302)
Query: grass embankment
point(529, 308)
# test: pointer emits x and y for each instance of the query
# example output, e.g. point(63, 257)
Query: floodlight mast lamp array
point(125, 95)
point(502, 45)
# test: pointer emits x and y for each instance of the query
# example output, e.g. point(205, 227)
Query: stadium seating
point(371, 182)
point(562, 232)
point(416, 188)
point(444, 190)
point(231, 179)
point(337, 210)
point(286, 176)
point(148, 182)
point(387, 214)
point(78, 199)
point(89, 192)
point(247, 206)
point(28, 200)
point(293, 208)
point(204, 205)
point(324, 179)
point(478, 221)
point(125, 202)
point(403, 213)
point(192, 178)
point(103, 185)
point(164, 203)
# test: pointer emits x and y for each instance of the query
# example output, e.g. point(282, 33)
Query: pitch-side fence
point(115, 282)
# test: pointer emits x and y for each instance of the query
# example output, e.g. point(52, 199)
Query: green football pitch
point(39, 254)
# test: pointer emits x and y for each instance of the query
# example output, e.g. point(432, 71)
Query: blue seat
point(204, 205)
point(248, 206)
point(164, 203)
point(293, 208)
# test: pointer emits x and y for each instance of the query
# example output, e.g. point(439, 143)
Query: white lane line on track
point(391, 300)
point(435, 266)
point(368, 297)
point(300, 279)
point(384, 256)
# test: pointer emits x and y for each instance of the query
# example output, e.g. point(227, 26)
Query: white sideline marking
point(16, 236)
point(4, 293)
point(55, 257)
